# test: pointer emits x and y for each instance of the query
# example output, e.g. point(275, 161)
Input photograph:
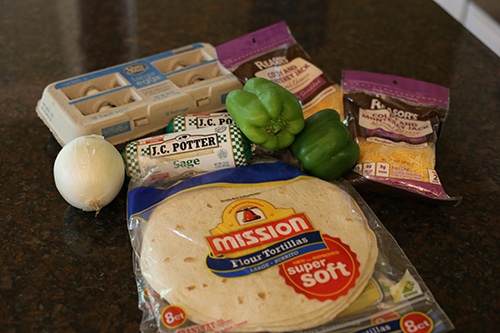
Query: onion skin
point(89, 172)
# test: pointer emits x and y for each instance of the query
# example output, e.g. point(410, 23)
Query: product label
point(194, 121)
point(384, 123)
point(184, 143)
point(412, 322)
point(173, 316)
point(299, 76)
point(416, 322)
point(201, 150)
point(406, 288)
point(324, 274)
point(255, 236)
point(220, 325)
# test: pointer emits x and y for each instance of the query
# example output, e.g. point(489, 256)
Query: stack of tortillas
point(174, 251)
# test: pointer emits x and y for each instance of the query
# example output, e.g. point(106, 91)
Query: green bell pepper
point(325, 147)
point(268, 114)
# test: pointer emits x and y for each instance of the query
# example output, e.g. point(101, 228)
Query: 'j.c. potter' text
point(176, 146)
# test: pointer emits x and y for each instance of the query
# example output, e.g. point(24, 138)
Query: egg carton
point(131, 100)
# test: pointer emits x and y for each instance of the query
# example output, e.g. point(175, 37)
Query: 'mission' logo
point(259, 235)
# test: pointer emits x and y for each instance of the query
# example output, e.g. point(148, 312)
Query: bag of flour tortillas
point(266, 248)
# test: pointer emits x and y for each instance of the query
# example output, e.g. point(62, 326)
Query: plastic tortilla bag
point(225, 233)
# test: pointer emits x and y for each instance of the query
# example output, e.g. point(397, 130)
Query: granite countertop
point(64, 270)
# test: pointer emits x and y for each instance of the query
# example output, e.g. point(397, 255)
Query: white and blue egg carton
point(128, 101)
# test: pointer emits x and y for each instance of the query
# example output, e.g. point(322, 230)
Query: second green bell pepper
point(267, 113)
point(325, 147)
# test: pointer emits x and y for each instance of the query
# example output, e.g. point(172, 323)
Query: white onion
point(89, 172)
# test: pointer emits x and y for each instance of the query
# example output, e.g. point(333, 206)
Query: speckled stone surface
point(63, 270)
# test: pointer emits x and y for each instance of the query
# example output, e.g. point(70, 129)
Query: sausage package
point(187, 152)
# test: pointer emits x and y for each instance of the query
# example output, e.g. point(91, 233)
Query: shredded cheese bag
point(274, 54)
point(396, 122)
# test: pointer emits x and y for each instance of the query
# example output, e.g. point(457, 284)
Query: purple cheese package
point(397, 122)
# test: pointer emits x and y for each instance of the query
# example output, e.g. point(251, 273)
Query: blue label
point(139, 73)
point(116, 129)
point(143, 197)
point(272, 255)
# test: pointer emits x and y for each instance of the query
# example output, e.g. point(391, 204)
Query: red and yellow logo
point(325, 274)
point(254, 236)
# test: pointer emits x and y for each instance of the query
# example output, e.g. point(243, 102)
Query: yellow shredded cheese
point(402, 161)
point(332, 100)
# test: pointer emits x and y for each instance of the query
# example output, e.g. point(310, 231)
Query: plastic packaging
point(198, 120)
point(395, 298)
point(187, 152)
point(273, 54)
point(397, 122)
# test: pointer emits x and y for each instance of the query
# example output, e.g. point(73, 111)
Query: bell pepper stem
point(277, 126)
